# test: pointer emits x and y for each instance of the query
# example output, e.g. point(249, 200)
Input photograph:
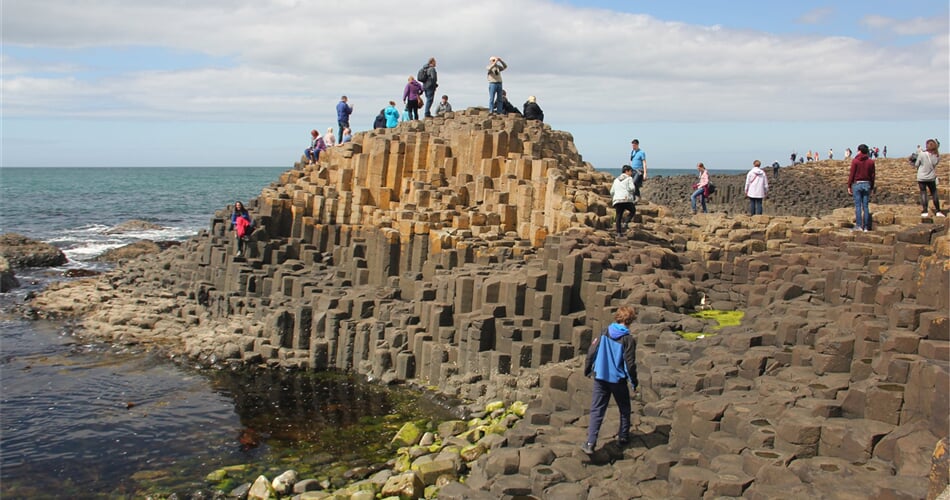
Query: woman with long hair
point(927, 176)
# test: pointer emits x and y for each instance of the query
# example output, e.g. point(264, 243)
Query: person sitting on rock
point(243, 225)
point(532, 111)
point(612, 358)
point(316, 146)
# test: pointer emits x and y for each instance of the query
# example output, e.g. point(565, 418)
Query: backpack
point(710, 188)
point(423, 73)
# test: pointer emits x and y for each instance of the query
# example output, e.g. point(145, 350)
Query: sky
point(241, 83)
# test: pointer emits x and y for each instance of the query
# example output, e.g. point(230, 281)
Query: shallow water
point(91, 420)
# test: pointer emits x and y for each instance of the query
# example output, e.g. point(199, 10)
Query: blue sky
point(241, 83)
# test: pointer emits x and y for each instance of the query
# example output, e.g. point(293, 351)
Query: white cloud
point(819, 15)
point(293, 59)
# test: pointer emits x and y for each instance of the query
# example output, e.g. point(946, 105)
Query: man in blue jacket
point(612, 358)
point(343, 111)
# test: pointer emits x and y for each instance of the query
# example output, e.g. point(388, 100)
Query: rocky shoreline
point(475, 254)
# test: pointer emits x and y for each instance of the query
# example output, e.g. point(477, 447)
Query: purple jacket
point(413, 91)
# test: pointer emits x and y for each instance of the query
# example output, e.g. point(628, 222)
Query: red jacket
point(862, 169)
point(240, 226)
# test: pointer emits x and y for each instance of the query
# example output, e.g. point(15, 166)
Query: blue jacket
point(392, 116)
point(343, 111)
point(612, 357)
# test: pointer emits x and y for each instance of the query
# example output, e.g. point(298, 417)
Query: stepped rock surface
point(475, 253)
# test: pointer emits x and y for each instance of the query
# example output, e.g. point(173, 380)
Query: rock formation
point(21, 252)
point(474, 253)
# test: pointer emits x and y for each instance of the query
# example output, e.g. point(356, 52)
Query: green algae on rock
point(723, 318)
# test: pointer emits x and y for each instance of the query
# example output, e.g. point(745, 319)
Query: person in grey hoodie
point(756, 188)
point(927, 176)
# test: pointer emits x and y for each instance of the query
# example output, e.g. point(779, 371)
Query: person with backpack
point(700, 188)
point(612, 358)
point(429, 78)
point(624, 197)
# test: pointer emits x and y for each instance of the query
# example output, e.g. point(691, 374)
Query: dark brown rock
point(22, 252)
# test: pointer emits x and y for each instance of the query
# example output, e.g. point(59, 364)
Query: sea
point(85, 419)
point(81, 419)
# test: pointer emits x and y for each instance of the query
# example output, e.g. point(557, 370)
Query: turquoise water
point(72, 207)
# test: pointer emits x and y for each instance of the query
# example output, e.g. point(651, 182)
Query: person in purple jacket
point(410, 96)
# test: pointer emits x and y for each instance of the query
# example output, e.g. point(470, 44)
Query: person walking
point(623, 192)
point(756, 187)
point(243, 226)
point(700, 188)
point(927, 176)
point(861, 185)
point(612, 358)
point(638, 159)
point(430, 82)
point(343, 112)
point(495, 67)
point(411, 95)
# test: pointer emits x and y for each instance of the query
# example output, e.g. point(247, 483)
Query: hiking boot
point(588, 448)
point(623, 439)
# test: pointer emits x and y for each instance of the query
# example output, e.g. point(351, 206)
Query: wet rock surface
point(476, 254)
point(22, 252)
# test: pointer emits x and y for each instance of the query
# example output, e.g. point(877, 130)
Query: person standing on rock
point(624, 196)
point(392, 115)
point(612, 358)
point(411, 95)
point(861, 185)
point(638, 159)
point(700, 188)
point(343, 112)
point(243, 226)
point(756, 188)
point(927, 176)
point(430, 82)
point(495, 67)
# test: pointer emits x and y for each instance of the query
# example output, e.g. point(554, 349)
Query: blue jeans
point(862, 213)
point(755, 206)
point(598, 407)
point(494, 98)
point(430, 94)
point(692, 199)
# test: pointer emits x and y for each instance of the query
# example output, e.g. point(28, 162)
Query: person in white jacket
point(624, 194)
point(756, 188)
point(927, 176)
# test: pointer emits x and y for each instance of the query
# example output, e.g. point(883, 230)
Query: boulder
point(132, 225)
point(22, 252)
point(8, 280)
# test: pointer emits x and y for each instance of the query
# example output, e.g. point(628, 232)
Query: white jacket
point(623, 190)
point(756, 183)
